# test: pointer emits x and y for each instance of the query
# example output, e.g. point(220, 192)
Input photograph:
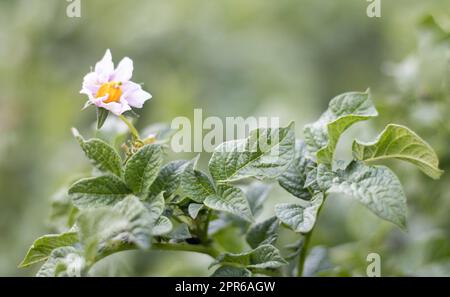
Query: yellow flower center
point(113, 90)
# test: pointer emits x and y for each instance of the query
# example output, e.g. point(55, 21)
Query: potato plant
point(138, 200)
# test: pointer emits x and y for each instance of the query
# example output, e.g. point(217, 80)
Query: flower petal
point(105, 67)
point(116, 108)
point(87, 92)
point(134, 95)
point(124, 71)
point(91, 82)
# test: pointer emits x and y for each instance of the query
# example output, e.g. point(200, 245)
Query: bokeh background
point(284, 58)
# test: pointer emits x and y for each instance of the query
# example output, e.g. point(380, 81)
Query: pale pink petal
point(99, 101)
point(124, 71)
point(105, 67)
point(87, 92)
point(134, 95)
point(116, 108)
point(91, 82)
point(129, 87)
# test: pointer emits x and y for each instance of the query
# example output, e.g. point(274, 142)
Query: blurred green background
point(284, 58)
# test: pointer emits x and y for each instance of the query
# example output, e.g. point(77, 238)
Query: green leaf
point(265, 232)
point(162, 226)
point(435, 32)
point(324, 177)
point(256, 194)
point(343, 111)
point(143, 168)
point(162, 132)
point(195, 184)
point(155, 206)
point(311, 178)
point(294, 248)
point(263, 257)
point(294, 178)
point(62, 214)
point(300, 218)
point(180, 232)
point(111, 229)
point(230, 199)
point(102, 155)
point(194, 209)
point(266, 153)
point(168, 179)
point(231, 271)
point(316, 261)
point(102, 115)
point(44, 245)
point(401, 143)
point(377, 187)
point(63, 261)
point(98, 191)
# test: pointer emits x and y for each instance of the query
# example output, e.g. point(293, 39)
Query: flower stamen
point(112, 89)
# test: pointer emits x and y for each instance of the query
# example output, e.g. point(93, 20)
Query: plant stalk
point(303, 252)
point(305, 247)
point(133, 130)
point(187, 247)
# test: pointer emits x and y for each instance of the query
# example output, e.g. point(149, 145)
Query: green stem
point(130, 125)
point(203, 249)
point(187, 248)
point(302, 255)
point(306, 242)
point(203, 228)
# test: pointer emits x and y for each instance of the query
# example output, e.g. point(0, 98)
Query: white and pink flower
point(111, 88)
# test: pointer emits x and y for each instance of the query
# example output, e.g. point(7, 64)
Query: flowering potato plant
point(140, 201)
point(111, 88)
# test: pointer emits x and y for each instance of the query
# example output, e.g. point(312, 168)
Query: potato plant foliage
point(144, 202)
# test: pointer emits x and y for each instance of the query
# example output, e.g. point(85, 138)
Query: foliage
point(140, 203)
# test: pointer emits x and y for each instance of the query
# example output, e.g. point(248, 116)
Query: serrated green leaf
point(195, 184)
point(44, 245)
point(265, 232)
point(401, 143)
point(343, 111)
point(98, 191)
point(230, 199)
point(263, 257)
point(294, 178)
point(231, 271)
point(377, 187)
point(168, 179)
point(300, 218)
point(102, 115)
point(127, 223)
point(63, 261)
point(266, 153)
point(143, 168)
point(100, 154)
point(162, 226)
